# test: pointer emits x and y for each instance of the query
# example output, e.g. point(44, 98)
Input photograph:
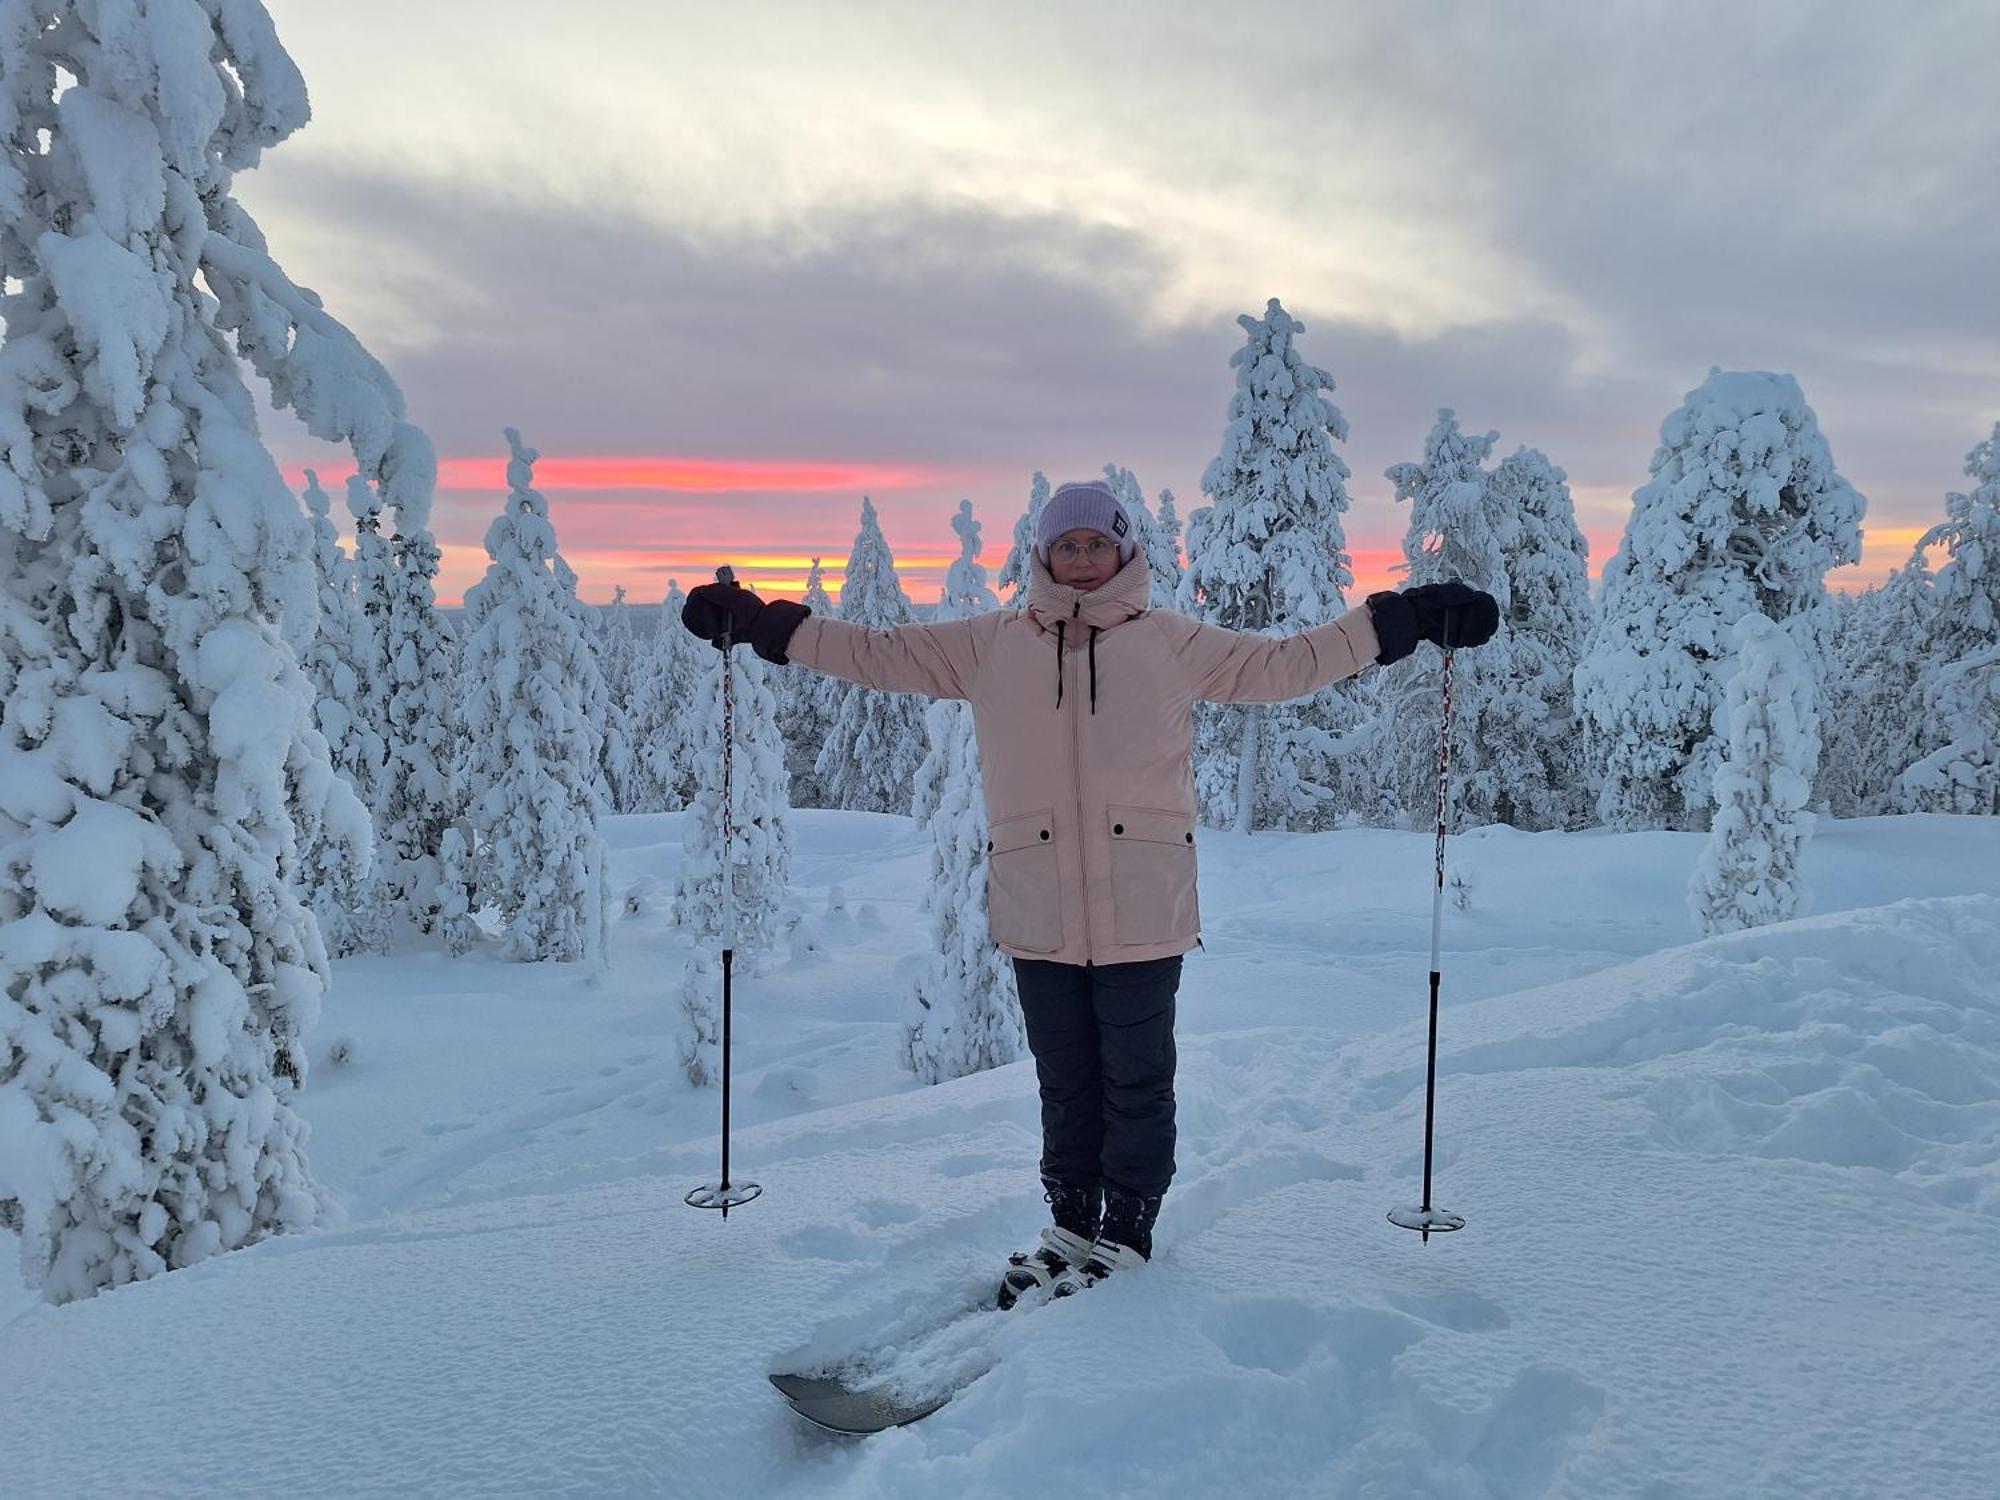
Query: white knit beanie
point(1090, 505)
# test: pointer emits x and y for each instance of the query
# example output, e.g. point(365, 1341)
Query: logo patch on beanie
point(1119, 525)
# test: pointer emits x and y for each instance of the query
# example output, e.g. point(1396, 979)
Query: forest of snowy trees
point(234, 745)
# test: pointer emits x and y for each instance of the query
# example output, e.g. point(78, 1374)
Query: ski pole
point(726, 1195)
point(1426, 1219)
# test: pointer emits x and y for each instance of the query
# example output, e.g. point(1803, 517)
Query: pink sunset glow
point(639, 520)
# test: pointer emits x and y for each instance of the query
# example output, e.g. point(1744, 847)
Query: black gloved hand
point(1445, 614)
point(717, 607)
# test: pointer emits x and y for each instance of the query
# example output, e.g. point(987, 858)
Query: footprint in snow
point(1460, 1311)
point(880, 1213)
point(827, 1242)
point(976, 1161)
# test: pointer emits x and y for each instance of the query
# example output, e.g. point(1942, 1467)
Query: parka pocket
point(1153, 874)
point(1023, 894)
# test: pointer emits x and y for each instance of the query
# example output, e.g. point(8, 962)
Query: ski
point(856, 1410)
point(906, 1379)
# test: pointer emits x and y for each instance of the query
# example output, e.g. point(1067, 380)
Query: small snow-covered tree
point(1269, 554)
point(1168, 520)
point(874, 740)
point(757, 856)
point(663, 717)
point(1162, 560)
point(160, 770)
point(805, 708)
point(1744, 514)
point(422, 738)
point(531, 784)
point(1959, 769)
point(615, 644)
point(1548, 621)
point(1460, 527)
point(1872, 722)
point(962, 1013)
point(1015, 573)
point(335, 872)
point(964, 594)
point(1748, 874)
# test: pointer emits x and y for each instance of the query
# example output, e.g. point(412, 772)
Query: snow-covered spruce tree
point(759, 856)
point(1014, 573)
point(1269, 554)
point(1460, 527)
point(532, 788)
point(805, 707)
point(1549, 619)
point(664, 717)
point(1744, 514)
point(160, 770)
point(962, 1014)
point(367, 923)
point(1749, 873)
point(1959, 769)
point(593, 695)
point(1162, 560)
point(874, 740)
point(417, 799)
point(1871, 723)
point(964, 594)
point(335, 872)
point(616, 644)
point(1168, 522)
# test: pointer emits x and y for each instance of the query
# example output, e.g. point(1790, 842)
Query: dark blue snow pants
point(1103, 1039)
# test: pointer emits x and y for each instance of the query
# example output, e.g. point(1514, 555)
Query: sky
point(730, 268)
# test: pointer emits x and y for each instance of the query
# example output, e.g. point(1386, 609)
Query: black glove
point(1445, 614)
point(767, 626)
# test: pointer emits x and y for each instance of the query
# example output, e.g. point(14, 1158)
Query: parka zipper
point(1076, 781)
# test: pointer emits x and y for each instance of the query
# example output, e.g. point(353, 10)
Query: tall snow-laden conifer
point(805, 708)
point(1548, 620)
point(1161, 559)
point(665, 714)
point(1168, 520)
point(615, 644)
point(1460, 527)
point(1269, 554)
point(1873, 721)
point(160, 770)
point(1015, 573)
point(531, 784)
point(367, 923)
point(962, 1013)
point(1958, 769)
point(1749, 873)
point(964, 594)
point(336, 874)
point(1744, 514)
point(417, 802)
point(874, 740)
point(758, 858)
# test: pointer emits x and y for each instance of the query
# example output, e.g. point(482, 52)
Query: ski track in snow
point(1734, 1211)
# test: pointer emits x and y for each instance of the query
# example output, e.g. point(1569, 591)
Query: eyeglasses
point(1096, 549)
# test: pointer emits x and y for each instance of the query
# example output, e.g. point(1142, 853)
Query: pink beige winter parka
point(1082, 704)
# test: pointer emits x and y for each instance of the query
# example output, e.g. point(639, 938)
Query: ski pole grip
point(725, 574)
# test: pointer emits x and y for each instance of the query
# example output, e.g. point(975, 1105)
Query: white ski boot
point(1103, 1259)
point(1031, 1272)
point(1124, 1242)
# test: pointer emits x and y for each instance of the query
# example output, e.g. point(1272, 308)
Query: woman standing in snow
point(1082, 704)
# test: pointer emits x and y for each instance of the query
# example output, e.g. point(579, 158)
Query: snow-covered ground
point(1734, 1209)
